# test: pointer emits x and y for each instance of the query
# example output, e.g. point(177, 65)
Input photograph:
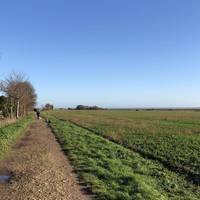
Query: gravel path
point(40, 171)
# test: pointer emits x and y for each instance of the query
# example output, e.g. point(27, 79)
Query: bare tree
point(27, 97)
point(19, 92)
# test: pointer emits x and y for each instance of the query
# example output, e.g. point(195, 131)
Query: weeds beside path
point(10, 133)
point(6, 122)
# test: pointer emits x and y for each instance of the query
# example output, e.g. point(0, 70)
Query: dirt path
point(40, 171)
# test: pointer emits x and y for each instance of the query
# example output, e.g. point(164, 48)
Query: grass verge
point(112, 172)
point(10, 133)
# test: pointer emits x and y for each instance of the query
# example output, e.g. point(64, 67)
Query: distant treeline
point(157, 109)
point(83, 107)
point(47, 106)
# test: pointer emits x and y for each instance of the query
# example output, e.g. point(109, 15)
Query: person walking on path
point(37, 113)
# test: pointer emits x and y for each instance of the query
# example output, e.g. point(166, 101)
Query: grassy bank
point(10, 133)
point(5, 122)
point(160, 135)
point(112, 172)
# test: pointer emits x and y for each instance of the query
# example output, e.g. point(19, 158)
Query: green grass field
point(171, 137)
point(113, 172)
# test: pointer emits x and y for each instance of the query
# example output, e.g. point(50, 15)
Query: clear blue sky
point(112, 53)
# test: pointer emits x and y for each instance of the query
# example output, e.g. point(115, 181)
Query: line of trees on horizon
point(83, 107)
point(48, 106)
point(19, 96)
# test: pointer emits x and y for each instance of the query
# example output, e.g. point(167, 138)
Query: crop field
point(112, 171)
point(170, 137)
